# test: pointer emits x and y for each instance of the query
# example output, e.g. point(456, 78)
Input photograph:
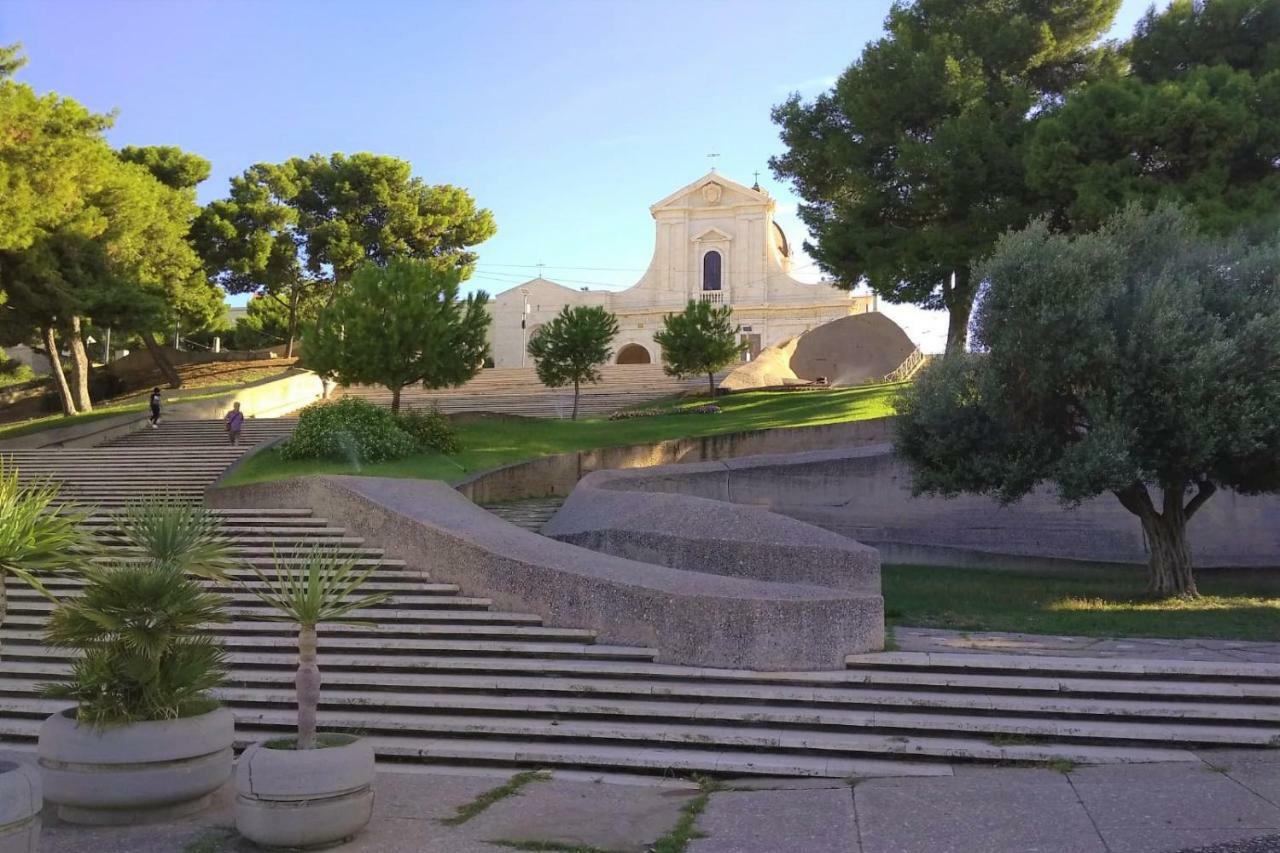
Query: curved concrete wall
point(556, 475)
point(690, 617)
point(865, 494)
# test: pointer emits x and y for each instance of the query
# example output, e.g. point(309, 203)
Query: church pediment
point(712, 235)
point(712, 190)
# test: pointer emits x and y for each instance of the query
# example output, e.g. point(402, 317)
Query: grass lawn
point(1236, 604)
point(490, 442)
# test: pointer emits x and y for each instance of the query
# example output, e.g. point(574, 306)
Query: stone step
point(726, 737)
point(373, 651)
point(386, 621)
point(1044, 665)
point(513, 628)
point(22, 733)
point(414, 609)
point(566, 733)
point(405, 584)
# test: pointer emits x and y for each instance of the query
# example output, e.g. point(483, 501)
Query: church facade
point(716, 241)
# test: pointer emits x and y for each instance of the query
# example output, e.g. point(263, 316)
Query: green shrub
point(350, 430)
point(14, 372)
point(430, 429)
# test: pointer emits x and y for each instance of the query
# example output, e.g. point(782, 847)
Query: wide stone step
point(403, 600)
point(725, 737)
point(373, 651)
point(394, 628)
point(22, 733)
point(404, 584)
point(785, 696)
point(1046, 665)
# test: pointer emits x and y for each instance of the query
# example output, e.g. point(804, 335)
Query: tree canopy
point(699, 340)
point(911, 166)
point(87, 233)
point(1196, 121)
point(572, 346)
point(301, 228)
point(1144, 354)
point(402, 325)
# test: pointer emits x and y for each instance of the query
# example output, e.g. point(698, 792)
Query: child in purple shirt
point(234, 421)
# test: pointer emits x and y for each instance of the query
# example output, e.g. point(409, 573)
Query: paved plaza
point(1229, 801)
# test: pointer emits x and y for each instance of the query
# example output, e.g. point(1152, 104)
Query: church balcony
point(715, 297)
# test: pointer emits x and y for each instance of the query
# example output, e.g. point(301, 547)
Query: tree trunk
point(79, 367)
point(395, 400)
point(1170, 571)
point(308, 684)
point(711, 386)
point(574, 417)
point(957, 295)
point(55, 366)
point(162, 361)
point(1170, 560)
point(293, 322)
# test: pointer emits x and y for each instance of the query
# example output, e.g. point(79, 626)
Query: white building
point(716, 241)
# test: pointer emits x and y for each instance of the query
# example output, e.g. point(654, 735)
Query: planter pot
point(304, 798)
point(141, 771)
point(19, 808)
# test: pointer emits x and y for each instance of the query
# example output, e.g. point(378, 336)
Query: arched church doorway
point(633, 354)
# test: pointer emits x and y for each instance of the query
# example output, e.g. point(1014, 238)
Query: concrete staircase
point(187, 433)
point(438, 676)
point(517, 391)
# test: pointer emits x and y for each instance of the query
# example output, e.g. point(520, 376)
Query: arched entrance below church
point(634, 354)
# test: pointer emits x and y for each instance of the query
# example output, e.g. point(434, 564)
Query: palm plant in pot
point(37, 538)
point(313, 789)
point(145, 739)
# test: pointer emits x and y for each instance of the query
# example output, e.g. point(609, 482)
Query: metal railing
point(909, 367)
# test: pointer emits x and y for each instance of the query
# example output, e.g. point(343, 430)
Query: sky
point(566, 118)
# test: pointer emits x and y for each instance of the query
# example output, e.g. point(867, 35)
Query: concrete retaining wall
point(693, 618)
point(865, 494)
point(268, 398)
point(557, 475)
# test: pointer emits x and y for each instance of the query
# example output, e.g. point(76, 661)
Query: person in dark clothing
point(155, 408)
point(234, 421)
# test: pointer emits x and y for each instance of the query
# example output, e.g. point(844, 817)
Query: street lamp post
point(524, 327)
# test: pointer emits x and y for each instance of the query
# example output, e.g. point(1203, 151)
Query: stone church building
point(715, 241)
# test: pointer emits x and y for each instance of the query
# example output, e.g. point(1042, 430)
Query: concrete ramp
point(853, 350)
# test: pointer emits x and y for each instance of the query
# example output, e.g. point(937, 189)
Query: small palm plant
point(37, 537)
point(308, 589)
point(139, 622)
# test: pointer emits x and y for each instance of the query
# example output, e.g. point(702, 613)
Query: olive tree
point(572, 347)
point(1142, 359)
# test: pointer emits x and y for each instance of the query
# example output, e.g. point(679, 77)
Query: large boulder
point(853, 350)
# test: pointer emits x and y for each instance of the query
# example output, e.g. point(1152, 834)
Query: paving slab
point(401, 795)
point(813, 821)
point(1162, 808)
point(1000, 642)
point(1146, 839)
point(624, 819)
point(1263, 844)
point(974, 814)
point(1262, 779)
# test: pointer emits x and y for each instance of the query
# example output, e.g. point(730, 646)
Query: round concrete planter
point(304, 798)
point(19, 808)
point(141, 771)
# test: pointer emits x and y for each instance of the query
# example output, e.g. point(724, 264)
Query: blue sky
point(567, 118)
